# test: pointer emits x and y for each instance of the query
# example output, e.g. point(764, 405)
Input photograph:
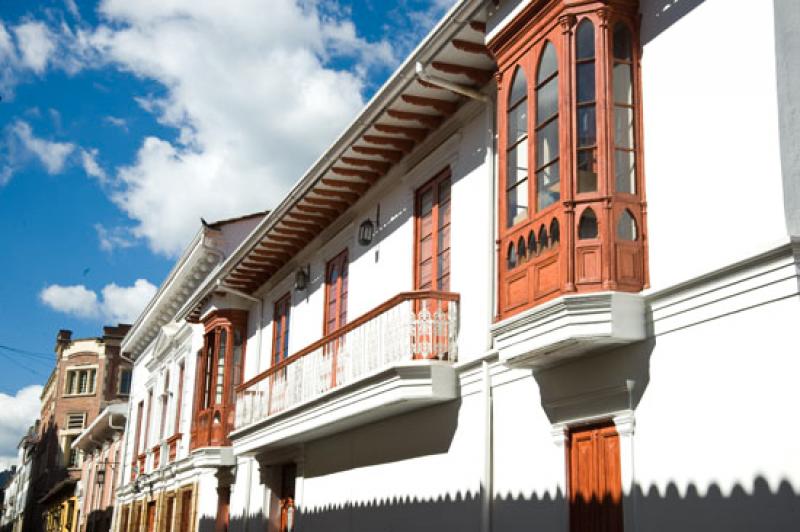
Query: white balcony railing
point(410, 326)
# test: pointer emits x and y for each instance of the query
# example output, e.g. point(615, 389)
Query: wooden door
point(186, 511)
point(170, 514)
point(432, 242)
point(595, 480)
point(286, 503)
point(136, 509)
point(432, 262)
point(151, 516)
point(335, 308)
point(336, 293)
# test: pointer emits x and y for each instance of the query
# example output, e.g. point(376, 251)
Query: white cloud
point(53, 155)
point(113, 238)
point(119, 122)
point(72, 7)
point(123, 304)
point(118, 303)
point(251, 91)
point(17, 413)
point(36, 45)
point(76, 300)
point(90, 165)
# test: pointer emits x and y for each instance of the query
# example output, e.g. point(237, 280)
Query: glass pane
point(517, 164)
point(584, 82)
point(547, 144)
point(518, 122)
point(511, 256)
point(584, 46)
point(626, 227)
point(623, 127)
point(622, 42)
point(623, 88)
point(548, 64)
point(443, 239)
point(521, 250)
point(223, 341)
point(588, 225)
point(518, 87)
point(625, 170)
point(444, 191)
point(425, 203)
point(555, 232)
point(547, 101)
point(548, 184)
point(517, 203)
point(587, 129)
point(542, 238)
point(587, 171)
point(532, 243)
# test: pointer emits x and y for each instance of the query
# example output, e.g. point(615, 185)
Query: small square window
point(125, 381)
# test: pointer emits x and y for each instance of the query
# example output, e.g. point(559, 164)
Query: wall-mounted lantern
point(301, 278)
point(365, 232)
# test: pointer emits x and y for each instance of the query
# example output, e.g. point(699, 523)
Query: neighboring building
point(101, 444)
point(162, 473)
point(17, 490)
point(492, 305)
point(89, 374)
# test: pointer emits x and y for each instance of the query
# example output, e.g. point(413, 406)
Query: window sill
point(69, 395)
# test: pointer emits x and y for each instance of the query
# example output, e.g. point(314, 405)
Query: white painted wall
point(712, 153)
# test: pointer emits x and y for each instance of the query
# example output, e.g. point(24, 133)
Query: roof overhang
point(110, 420)
point(406, 109)
point(200, 257)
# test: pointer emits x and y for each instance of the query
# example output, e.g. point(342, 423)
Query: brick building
point(89, 375)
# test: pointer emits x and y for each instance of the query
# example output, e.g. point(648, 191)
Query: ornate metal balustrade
point(410, 326)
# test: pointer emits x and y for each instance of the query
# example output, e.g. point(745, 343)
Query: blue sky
point(120, 122)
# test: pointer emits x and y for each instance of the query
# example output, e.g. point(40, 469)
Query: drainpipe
point(449, 85)
point(491, 163)
point(487, 487)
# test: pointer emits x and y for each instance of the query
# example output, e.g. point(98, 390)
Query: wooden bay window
point(569, 108)
point(220, 367)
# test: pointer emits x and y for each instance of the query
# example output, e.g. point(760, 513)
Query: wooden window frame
point(72, 387)
point(179, 398)
point(280, 351)
point(136, 437)
point(432, 184)
point(208, 406)
point(341, 258)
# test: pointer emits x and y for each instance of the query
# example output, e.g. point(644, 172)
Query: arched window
point(532, 248)
point(511, 257)
point(624, 143)
point(543, 244)
point(555, 233)
point(520, 250)
point(586, 107)
point(548, 180)
point(587, 228)
point(626, 227)
point(517, 151)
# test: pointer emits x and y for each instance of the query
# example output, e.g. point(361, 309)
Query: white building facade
point(17, 490)
point(518, 293)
